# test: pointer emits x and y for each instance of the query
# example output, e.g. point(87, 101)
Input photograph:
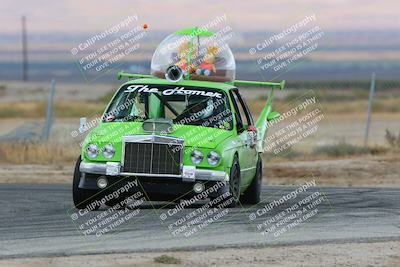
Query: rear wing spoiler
point(267, 113)
point(273, 85)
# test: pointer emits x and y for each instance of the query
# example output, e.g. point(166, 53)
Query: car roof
point(205, 84)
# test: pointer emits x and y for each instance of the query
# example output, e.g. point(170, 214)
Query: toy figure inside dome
point(184, 53)
point(207, 67)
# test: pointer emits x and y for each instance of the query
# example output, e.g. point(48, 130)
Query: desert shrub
point(342, 149)
point(289, 153)
point(165, 259)
point(392, 139)
point(3, 89)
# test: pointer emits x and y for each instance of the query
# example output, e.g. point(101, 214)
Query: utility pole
point(370, 100)
point(24, 51)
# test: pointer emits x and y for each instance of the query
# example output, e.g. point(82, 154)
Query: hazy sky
point(96, 15)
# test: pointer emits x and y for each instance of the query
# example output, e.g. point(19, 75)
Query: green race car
point(181, 131)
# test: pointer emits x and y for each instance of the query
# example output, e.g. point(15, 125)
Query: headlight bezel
point(109, 148)
point(213, 158)
point(196, 154)
point(92, 151)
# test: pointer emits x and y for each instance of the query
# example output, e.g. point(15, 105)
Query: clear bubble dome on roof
point(200, 55)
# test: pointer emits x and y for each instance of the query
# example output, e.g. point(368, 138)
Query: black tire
point(234, 183)
point(81, 197)
point(253, 192)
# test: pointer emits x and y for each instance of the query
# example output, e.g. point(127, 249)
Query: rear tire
point(82, 197)
point(253, 192)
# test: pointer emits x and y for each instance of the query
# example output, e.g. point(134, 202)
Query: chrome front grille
point(152, 155)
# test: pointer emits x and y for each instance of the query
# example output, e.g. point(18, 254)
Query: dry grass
point(359, 171)
point(343, 149)
point(23, 110)
point(25, 153)
point(339, 150)
point(379, 106)
point(357, 105)
point(340, 101)
point(62, 109)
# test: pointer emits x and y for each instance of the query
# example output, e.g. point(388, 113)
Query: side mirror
point(82, 124)
point(273, 115)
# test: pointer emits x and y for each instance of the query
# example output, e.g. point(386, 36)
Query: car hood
point(193, 136)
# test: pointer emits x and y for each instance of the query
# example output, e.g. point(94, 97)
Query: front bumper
point(189, 173)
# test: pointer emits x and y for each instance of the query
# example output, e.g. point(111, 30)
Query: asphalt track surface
point(36, 221)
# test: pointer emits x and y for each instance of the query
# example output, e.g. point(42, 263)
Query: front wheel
point(82, 197)
point(252, 194)
point(234, 183)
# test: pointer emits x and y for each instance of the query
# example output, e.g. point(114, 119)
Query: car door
point(247, 138)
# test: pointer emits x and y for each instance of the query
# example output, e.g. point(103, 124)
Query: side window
point(242, 109)
point(239, 113)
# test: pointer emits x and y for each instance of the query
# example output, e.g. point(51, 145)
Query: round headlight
point(92, 151)
point(108, 151)
point(213, 158)
point(196, 157)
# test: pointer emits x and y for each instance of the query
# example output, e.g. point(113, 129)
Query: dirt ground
point(360, 254)
point(368, 171)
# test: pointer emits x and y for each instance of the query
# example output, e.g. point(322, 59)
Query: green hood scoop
point(158, 126)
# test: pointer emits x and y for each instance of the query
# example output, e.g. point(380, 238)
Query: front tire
point(81, 197)
point(253, 193)
point(234, 183)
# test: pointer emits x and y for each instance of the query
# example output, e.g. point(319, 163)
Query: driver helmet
point(199, 106)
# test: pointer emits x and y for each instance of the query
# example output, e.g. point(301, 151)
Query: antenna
point(24, 51)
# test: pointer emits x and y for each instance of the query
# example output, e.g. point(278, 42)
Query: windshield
point(179, 104)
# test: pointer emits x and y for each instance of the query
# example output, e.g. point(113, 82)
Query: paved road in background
point(36, 221)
